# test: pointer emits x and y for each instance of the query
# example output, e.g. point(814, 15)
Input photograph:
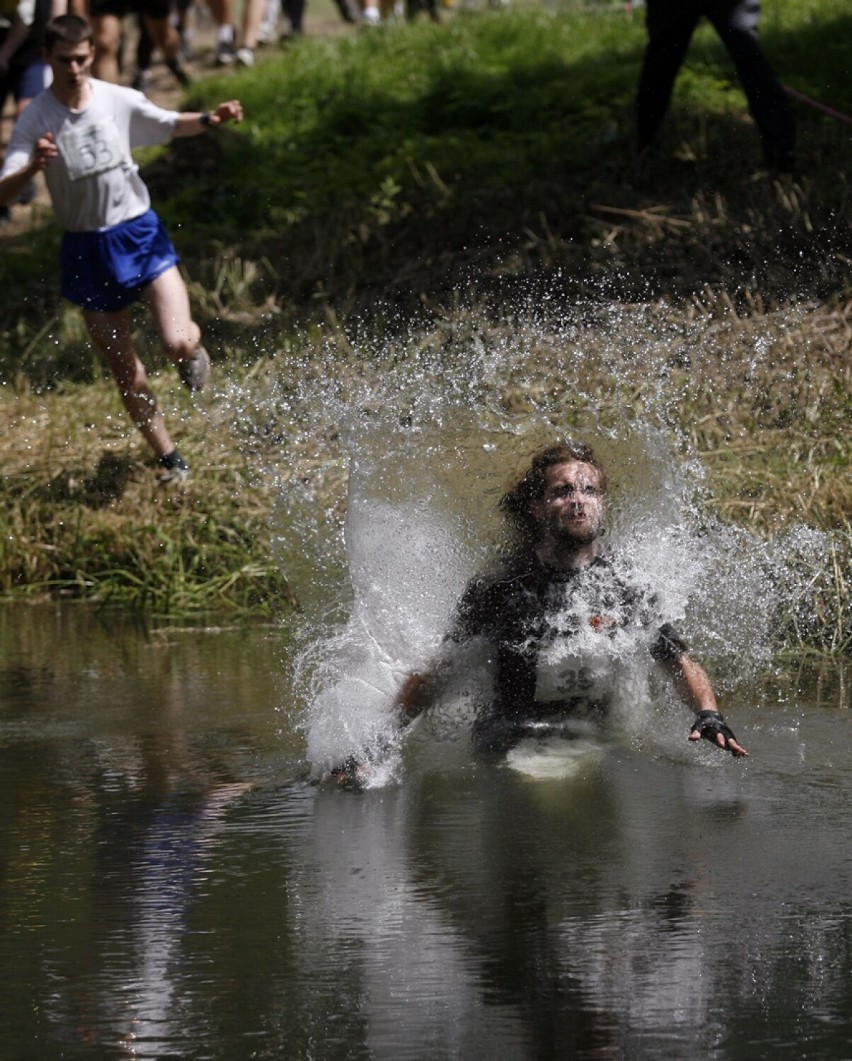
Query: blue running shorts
point(107, 270)
point(31, 79)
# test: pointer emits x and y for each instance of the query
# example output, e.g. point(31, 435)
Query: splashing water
point(426, 433)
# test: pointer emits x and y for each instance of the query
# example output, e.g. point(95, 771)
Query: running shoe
point(175, 469)
point(185, 43)
point(173, 476)
point(349, 11)
point(225, 52)
point(245, 56)
point(196, 372)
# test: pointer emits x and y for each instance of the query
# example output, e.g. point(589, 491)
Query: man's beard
point(563, 535)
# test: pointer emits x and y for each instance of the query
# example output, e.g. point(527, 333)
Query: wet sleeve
point(471, 615)
point(669, 645)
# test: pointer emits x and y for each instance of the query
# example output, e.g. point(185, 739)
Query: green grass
point(483, 126)
point(410, 163)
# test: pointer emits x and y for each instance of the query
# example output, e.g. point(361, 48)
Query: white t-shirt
point(94, 183)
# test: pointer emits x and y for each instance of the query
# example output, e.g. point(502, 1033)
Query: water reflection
point(171, 888)
point(117, 803)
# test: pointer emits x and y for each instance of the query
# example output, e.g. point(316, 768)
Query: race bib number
point(563, 681)
point(91, 149)
point(565, 676)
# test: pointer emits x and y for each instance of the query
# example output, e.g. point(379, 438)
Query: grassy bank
point(435, 179)
point(761, 403)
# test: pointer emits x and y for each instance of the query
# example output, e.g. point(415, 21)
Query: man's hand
point(45, 151)
point(232, 111)
point(352, 773)
point(13, 184)
point(710, 725)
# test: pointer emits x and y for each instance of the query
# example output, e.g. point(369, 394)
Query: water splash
point(424, 432)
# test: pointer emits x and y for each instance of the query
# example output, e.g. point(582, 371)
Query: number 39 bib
point(91, 149)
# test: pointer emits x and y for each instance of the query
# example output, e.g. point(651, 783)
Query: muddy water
point(173, 886)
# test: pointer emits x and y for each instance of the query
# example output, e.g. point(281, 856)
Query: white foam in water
point(431, 446)
point(554, 759)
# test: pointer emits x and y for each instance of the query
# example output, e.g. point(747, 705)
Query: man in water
point(80, 132)
point(559, 617)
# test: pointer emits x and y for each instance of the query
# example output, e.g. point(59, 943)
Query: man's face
point(70, 63)
point(571, 510)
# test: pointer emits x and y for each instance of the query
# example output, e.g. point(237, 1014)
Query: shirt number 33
point(91, 149)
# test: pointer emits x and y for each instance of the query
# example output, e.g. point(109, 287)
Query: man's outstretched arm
point(694, 688)
point(191, 123)
point(415, 695)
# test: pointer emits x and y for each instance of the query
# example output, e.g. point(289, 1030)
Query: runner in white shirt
point(80, 132)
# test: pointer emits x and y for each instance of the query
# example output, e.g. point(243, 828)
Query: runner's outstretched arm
point(694, 688)
point(192, 123)
point(415, 695)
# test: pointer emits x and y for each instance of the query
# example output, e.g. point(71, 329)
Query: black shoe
point(225, 53)
point(349, 11)
point(196, 371)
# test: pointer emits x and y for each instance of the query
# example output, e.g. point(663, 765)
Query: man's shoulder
point(501, 581)
point(507, 567)
point(104, 90)
point(487, 595)
point(131, 99)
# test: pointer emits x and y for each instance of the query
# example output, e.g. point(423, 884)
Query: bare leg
point(165, 37)
point(111, 333)
point(169, 302)
point(107, 34)
point(223, 12)
point(252, 14)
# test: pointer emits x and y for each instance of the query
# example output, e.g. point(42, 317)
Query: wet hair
point(66, 29)
point(516, 504)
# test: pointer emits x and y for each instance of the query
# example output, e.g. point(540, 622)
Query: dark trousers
point(671, 24)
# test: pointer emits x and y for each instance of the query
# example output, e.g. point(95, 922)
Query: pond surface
point(173, 885)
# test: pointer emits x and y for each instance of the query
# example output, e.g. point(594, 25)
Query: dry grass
point(762, 401)
point(84, 515)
